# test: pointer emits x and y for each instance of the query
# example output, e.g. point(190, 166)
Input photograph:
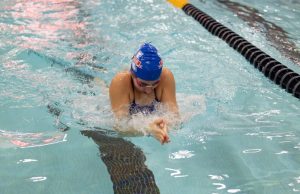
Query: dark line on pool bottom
point(125, 163)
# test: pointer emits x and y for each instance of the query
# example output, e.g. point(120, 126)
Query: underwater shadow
point(125, 163)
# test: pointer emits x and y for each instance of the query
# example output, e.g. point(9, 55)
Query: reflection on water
point(26, 161)
point(295, 185)
point(282, 152)
point(181, 154)
point(176, 173)
point(39, 24)
point(53, 29)
point(220, 185)
point(282, 137)
point(38, 178)
point(10, 139)
point(251, 151)
point(49, 33)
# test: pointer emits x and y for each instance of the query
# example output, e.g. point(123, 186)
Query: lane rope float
point(270, 67)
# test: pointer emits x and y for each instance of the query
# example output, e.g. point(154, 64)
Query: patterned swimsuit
point(144, 109)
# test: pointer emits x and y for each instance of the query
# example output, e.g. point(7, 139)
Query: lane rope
point(270, 67)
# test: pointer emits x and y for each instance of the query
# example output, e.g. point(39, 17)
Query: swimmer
point(142, 88)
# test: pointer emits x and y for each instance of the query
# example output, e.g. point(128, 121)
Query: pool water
point(240, 132)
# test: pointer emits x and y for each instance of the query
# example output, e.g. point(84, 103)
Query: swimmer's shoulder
point(121, 84)
point(166, 75)
point(166, 81)
point(166, 72)
point(122, 78)
point(121, 87)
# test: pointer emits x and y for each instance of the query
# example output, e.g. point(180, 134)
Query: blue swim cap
point(146, 63)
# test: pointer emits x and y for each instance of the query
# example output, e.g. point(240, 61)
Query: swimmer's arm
point(125, 126)
point(168, 98)
point(169, 93)
point(120, 100)
point(119, 96)
point(157, 128)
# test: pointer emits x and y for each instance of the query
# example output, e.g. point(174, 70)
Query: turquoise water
point(240, 132)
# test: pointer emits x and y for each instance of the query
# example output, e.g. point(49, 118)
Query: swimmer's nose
point(148, 90)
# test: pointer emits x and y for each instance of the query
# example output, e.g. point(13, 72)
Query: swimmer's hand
point(159, 130)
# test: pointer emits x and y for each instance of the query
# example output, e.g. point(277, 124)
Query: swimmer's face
point(145, 86)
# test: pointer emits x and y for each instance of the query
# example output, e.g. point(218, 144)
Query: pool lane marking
point(271, 68)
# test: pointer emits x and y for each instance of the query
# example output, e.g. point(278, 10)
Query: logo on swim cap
point(133, 67)
point(137, 62)
point(146, 63)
